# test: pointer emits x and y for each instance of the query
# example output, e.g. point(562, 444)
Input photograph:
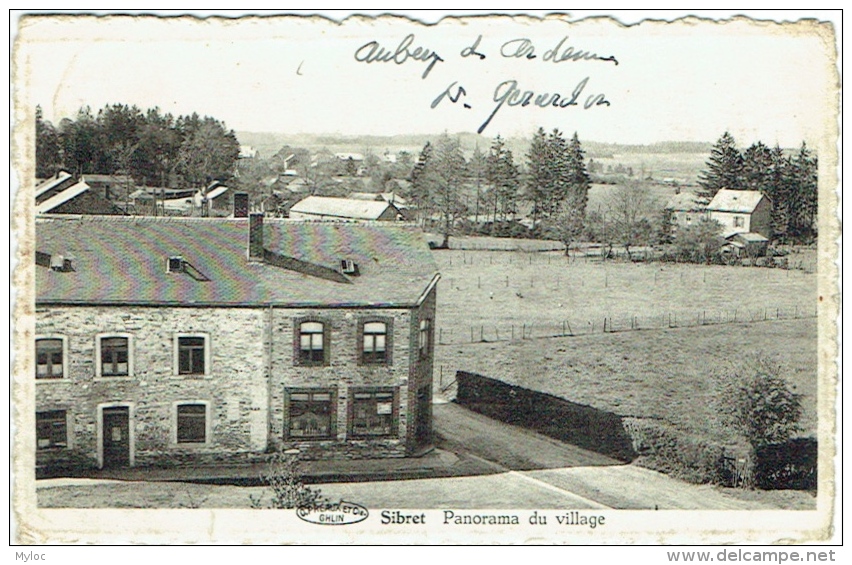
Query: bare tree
point(629, 208)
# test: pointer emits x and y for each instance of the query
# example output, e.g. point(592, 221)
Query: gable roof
point(47, 185)
point(750, 237)
point(740, 201)
point(216, 192)
point(61, 197)
point(686, 201)
point(347, 208)
point(122, 260)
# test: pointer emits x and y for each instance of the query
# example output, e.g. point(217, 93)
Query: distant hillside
point(268, 144)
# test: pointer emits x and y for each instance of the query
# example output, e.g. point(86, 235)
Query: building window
point(425, 338)
point(311, 414)
point(191, 423)
point(114, 356)
point(375, 343)
point(374, 413)
point(51, 429)
point(192, 354)
point(50, 358)
point(312, 343)
point(739, 221)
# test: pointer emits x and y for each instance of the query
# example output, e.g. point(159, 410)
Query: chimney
point(241, 205)
point(255, 238)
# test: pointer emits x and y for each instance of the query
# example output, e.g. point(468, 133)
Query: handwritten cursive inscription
point(508, 93)
point(523, 48)
point(372, 52)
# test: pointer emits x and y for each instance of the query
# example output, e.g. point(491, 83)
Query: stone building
point(196, 340)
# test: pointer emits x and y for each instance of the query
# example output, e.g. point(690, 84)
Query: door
point(116, 437)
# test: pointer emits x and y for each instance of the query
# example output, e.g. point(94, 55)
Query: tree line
point(153, 148)
point(790, 183)
point(555, 183)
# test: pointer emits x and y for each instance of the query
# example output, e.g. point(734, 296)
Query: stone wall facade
point(251, 369)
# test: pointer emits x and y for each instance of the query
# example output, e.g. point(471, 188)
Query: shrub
point(757, 403)
point(664, 448)
point(287, 488)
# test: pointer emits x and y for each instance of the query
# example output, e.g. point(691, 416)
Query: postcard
point(493, 279)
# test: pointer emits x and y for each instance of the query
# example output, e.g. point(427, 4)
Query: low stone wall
point(577, 424)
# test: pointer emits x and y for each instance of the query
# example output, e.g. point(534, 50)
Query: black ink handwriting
point(524, 48)
point(448, 94)
point(372, 52)
point(518, 48)
point(508, 93)
point(472, 50)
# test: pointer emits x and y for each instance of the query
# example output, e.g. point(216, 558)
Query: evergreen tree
point(538, 175)
point(561, 173)
point(803, 196)
point(477, 169)
point(578, 178)
point(419, 193)
point(502, 176)
point(724, 168)
point(757, 168)
point(48, 156)
point(778, 192)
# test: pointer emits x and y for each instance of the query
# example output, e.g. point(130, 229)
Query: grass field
point(659, 374)
point(695, 319)
point(494, 295)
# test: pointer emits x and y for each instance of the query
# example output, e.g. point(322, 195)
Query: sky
point(688, 81)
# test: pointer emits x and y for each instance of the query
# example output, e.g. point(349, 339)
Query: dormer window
point(56, 263)
point(349, 267)
point(175, 264)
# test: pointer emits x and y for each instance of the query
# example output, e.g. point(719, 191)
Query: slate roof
point(738, 201)
point(348, 208)
point(122, 260)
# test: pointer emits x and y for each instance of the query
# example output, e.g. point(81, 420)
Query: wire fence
point(488, 333)
point(486, 256)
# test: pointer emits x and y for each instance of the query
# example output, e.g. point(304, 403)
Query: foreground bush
point(287, 489)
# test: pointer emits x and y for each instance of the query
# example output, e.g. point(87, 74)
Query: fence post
point(513, 332)
point(440, 336)
point(735, 315)
point(471, 334)
point(481, 333)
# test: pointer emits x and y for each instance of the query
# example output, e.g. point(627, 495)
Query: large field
point(498, 313)
point(501, 295)
point(670, 375)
